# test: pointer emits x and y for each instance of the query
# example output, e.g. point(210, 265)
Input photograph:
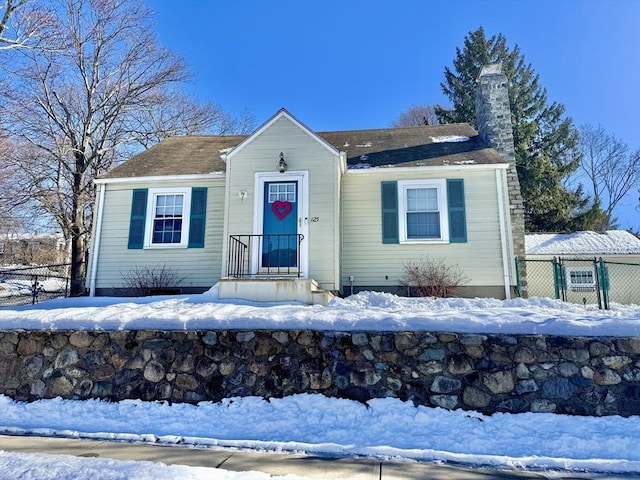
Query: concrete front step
point(270, 289)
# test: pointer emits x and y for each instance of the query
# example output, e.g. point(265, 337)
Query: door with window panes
point(280, 225)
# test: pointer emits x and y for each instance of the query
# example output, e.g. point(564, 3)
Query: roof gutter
point(428, 168)
point(161, 178)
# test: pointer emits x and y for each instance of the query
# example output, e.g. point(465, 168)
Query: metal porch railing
point(264, 255)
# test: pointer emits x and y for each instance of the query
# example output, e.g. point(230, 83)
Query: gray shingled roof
point(178, 156)
point(413, 146)
point(406, 147)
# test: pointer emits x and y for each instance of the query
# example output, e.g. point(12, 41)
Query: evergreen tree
point(546, 142)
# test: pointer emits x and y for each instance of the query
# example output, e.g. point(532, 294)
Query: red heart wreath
point(281, 209)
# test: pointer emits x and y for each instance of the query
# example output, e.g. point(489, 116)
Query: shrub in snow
point(431, 278)
point(145, 280)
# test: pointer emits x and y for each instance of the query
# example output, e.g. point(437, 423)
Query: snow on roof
point(449, 139)
point(611, 242)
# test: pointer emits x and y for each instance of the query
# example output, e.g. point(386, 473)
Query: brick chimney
point(493, 117)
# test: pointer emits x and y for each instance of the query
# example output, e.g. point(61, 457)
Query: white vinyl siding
point(375, 264)
point(302, 154)
point(198, 267)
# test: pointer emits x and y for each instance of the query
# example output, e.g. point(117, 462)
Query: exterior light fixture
point(282, 165)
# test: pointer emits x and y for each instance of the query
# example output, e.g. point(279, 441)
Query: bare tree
point(416, 115)
point(609, 166)
point(183, 115)
point(76, 108)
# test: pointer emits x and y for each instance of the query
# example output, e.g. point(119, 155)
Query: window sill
point(583, 289)
point(424, 241)
point(163, 247)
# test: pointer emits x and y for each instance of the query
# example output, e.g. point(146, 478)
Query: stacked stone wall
point(486, 373)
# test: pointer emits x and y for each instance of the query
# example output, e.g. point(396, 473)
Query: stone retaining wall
point(486, 373)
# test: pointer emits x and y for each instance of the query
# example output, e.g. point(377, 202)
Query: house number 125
point(315, 219)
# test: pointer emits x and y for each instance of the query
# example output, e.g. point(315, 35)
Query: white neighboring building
point(618, 249)
point(612, 243)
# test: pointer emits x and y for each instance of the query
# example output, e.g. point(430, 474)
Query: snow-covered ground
point(363, 311)
point(312, 423)
point(24, 286)
point(32, 466)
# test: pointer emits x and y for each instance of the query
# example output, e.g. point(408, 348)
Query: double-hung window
point(167, 220)
point(423, 211)
point(168, 217)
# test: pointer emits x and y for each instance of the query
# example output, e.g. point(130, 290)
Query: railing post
point(596, 272)
point(300, 238)
point(229, 255)
point(603, 277)
point(557, 281)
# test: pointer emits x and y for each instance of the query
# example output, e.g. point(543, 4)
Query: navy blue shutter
point(457, 215)
point(197, 217)
point(390, 212)
point(138, 218)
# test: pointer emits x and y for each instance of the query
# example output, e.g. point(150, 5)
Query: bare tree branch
point(23, 23)
point(183, 115)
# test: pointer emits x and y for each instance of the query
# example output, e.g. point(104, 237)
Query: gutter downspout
point(503, 240)
point(342, 163)
point(96, 241)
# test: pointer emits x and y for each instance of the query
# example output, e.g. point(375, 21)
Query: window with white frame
point(168, 217)
point(581, 279)
point(423, 211)
point(283, 192)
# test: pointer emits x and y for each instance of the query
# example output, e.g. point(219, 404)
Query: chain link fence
point(585, 281)
point(30, 285)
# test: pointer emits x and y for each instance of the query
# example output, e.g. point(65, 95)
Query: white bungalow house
point(581, 266)
point(288, 213)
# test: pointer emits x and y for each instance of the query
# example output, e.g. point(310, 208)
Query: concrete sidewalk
point(273, 463)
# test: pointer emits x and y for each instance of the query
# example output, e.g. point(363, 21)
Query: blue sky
point(356, 64)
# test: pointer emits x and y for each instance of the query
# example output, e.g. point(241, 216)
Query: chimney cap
point(491, 69)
